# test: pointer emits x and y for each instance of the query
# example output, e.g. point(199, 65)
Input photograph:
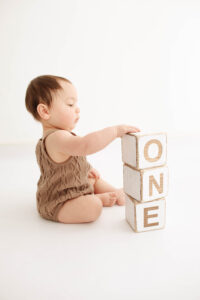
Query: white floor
point(44, 260)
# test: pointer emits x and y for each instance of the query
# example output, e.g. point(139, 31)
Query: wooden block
point(145, 216)
point(145, 185)
point(141, 150)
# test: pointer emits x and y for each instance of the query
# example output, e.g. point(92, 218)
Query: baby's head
point(52, 100)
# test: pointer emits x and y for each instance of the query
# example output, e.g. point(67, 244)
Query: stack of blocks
point(145, 179)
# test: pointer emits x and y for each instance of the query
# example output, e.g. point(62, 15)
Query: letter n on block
point(145, 185)
point(145, 216)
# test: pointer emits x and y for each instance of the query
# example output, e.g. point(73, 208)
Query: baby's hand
point(123, 129)
point(93, 173)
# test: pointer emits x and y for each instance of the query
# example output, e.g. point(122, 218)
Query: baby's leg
point(83, 209)
point(108, 198)
point(101, 186)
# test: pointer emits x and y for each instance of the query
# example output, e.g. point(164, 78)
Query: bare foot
point(108, 199)
point(120, 197)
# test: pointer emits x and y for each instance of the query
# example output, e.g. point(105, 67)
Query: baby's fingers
point(133, 129)
point(136, 128)
point(91, 175)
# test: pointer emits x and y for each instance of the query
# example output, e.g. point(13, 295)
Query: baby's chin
point(71, 128)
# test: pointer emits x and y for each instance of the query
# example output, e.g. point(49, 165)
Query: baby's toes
point(113, 198)
point(113, 194)
point(121, 197)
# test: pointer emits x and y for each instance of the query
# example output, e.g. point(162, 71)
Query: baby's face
point(64, 112)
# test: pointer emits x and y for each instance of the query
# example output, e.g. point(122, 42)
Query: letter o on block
point(141, 150)
point(146, 150)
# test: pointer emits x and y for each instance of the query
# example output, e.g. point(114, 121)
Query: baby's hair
point(40, 90)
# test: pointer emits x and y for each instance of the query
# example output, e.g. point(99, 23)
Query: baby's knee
point(97, 208)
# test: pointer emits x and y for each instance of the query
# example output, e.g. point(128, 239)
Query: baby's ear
point(43, 111)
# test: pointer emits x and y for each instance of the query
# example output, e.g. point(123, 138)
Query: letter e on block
point(145, 216)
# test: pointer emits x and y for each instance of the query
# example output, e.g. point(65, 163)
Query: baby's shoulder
point(51, 143)
point(58, 134)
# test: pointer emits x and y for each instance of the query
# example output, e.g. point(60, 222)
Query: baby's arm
point(69, 144)
point(98, 140)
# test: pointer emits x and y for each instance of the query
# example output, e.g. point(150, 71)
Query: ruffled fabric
point(59, 182)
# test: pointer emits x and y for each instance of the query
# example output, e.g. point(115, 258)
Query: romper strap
point(48, 132)
point(51, 131)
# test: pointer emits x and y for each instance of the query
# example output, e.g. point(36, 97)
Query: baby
point(69, 189)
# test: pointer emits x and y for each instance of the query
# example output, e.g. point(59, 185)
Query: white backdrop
point(132, 62)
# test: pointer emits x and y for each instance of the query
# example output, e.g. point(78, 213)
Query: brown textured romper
point(59, 182)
